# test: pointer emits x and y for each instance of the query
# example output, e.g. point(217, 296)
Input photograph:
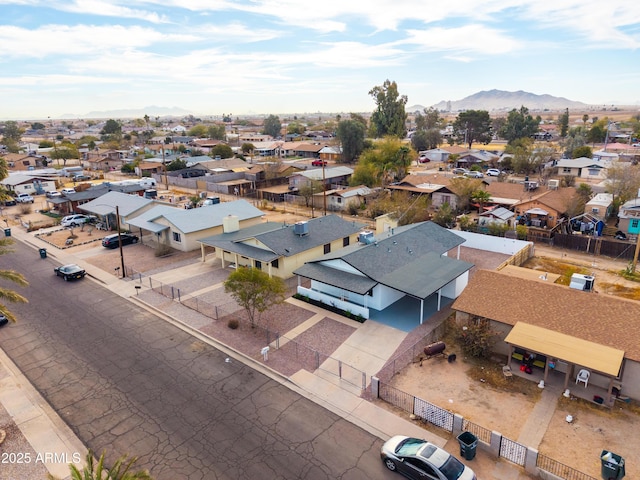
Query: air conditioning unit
point(366, 237)
point(582, 282)
point(301, 228)
point(554, 184)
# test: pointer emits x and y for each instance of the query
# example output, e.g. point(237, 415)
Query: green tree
point(519, 124)
point(563, 122)
point(481, 197)
point(445, 216)
point(272, 126)
point(112, 127)
point(255, 291)
point(585, 191)
point(389, 118)
point(388, 161)
point(364, 174)
point(575, 138)
point(38, 126)
point(464, 188)
point(247, 148)
point(473, 126)
point(177, 164)
point(308, 190)
point(623, 181)
point(223, 150)
point(296, 127)
point(351, 135)
point(420, 141)
point(66, 152)
point(12, 132)
point(198, 131)
point(583, 151)
point(46, 144)
point(217, 132)
point(430, 120)
point(122, 469)
point(127, 168)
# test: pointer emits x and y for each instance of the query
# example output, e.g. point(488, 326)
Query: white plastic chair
point(583, 376)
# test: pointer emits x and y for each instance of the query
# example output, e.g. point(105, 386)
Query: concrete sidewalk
point(46, 428)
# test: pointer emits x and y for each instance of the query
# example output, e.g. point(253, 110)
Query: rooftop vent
point(301, 228)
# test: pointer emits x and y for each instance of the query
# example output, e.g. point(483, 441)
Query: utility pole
point(324, 189)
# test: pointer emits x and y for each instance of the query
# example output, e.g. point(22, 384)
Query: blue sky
point(282, 56)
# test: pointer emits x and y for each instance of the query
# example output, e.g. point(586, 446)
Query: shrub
point(476, 338)
point(233, 324)
point(24, 208)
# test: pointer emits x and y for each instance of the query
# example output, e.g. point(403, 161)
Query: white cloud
point(469, 38)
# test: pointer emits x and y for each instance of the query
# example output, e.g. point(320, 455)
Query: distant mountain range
point(153, 111)
point(500, 100)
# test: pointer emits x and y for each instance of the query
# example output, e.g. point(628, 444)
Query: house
point(582, 167)
point(544, 208)
point(341, 199)
point(331, 153)
point(497, 215)
point(334, 176)
point(436, 154)
point(436, 187)
point(280, 248)
point(601, 205)
point(300, 149)
point(31, 184)
point(183, 229)
point(476, 157)
point(403, 269)
point(566, 328)
point(21, 162)
point(73, 202)
point(112, 203)
point(104, 160)
point(629, 217)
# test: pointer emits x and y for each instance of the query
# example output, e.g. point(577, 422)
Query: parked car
point(459, 171)
point(53, 194)
point(423, 159)
point(24, 198)
point(76, 220)
point(81, 178)
point(111, 241)
point(493, 172)
point(473, 174)
point(9, 202)
point(319, 163)
point(211, 201)
point(3, 320)
point(69, 272)
point(418, 459)
point(67, 191)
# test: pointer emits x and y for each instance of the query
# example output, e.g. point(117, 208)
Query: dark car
point(9, 202)
point(111, 241)
point(3, 320)
point(69, 272)
point(419, 459)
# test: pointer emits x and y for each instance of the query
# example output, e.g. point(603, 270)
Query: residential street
point(129, 383)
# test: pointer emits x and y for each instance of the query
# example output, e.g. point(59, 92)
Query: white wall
point(454, 288)
point(490, 243)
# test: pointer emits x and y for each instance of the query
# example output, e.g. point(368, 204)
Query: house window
point(339, 199)
point(566, 169)
point(345, 241)
point(258, 264)
point(274, 264)
point(594, 171)
point(635, 224)
point(176, 237)
point(327, 248)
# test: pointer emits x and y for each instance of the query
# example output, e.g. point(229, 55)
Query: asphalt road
point(129, 383)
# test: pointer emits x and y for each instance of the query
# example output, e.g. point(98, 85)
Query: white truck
point(24, 198)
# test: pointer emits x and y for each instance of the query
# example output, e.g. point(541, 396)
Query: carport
point(558, 347)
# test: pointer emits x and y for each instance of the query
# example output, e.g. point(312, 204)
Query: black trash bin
point(7, 232)
point(612, 466)
point(468, 444)
point(43, 253)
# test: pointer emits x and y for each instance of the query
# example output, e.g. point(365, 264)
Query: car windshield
point(410, 446)
point(452, 468)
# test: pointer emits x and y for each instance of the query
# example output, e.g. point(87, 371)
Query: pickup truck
point(24, 198)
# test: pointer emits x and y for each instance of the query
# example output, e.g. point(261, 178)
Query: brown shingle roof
point(595, 317)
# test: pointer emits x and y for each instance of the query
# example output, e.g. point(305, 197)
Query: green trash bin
point(7, 232)
point(612, 466)
point(43, 253)
point(468, 444)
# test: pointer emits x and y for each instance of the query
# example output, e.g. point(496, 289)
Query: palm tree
point(13, 276)
point(481, 197)
point(121, 470)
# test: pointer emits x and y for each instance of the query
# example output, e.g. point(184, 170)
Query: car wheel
point(134, 240)
point(73, 224)
point(390, 464)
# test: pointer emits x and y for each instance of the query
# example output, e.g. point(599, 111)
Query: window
point(566, 169)
point(274, 264)
point(327, 248)
point(176, 237)
point(345, 241)
point(339, 199)
point(635, 224)
point(258, 264)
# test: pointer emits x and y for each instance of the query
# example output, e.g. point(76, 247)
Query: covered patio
point(552, 357)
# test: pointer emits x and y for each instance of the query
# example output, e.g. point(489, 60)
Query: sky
point(241, 57)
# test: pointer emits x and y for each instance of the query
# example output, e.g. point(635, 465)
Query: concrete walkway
point(536, 425)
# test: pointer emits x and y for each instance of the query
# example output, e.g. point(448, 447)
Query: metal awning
point(537, 211)
point(600, 358)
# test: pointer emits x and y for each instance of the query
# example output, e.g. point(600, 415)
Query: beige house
point(565, 329)
point(184, 229)
point(280, 248)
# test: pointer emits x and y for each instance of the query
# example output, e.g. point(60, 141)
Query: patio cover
point(574, 350)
